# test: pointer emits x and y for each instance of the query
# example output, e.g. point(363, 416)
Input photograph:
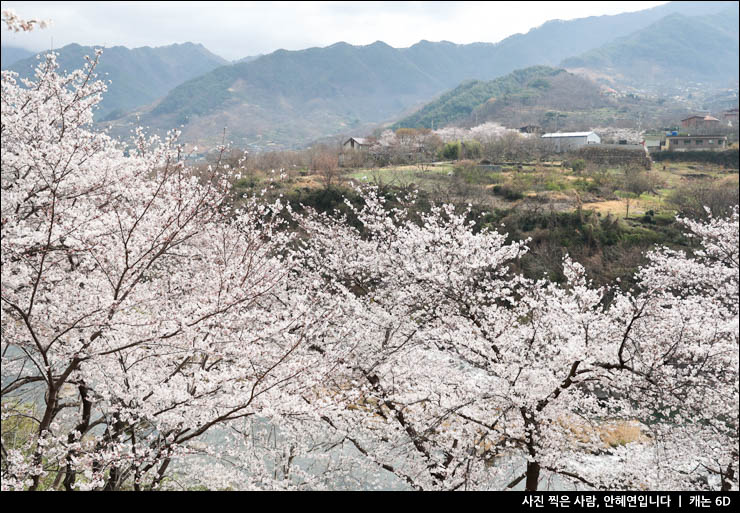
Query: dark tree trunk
point(533, 476)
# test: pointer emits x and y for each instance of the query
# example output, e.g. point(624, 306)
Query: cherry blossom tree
point(473, 377)
point(682, 347)
point(138, 310)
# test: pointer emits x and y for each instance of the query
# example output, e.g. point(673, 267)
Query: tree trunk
point(533, 476)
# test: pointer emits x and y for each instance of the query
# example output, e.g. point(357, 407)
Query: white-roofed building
point(566, 141)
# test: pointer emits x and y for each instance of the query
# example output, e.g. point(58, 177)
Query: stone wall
point(613, 155)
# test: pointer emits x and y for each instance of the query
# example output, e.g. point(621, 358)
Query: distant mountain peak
point(379, 44)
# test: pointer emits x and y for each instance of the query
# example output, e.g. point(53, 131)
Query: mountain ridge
point(289, 97)
point(655, 58)
point(138, 76)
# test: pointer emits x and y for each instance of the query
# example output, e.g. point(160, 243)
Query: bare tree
point(325, 163)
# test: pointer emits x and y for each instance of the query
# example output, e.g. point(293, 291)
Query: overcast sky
point(237, 29)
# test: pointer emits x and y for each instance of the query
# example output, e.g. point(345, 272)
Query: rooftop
point(619, 146)
point(705, 118)
point(568, 134)
point(682, 136)
point(358, 140)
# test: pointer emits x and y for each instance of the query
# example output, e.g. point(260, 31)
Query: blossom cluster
point(16, 23)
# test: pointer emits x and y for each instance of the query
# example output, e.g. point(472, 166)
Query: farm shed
point(566, 141)
point(356, 143)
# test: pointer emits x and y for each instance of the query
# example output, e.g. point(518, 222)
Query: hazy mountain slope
point(290, 97)
point(341, 73)
point(247, 58)
point(551, 98)
point(672, 52)
point(9, 55)
point(551, 42)
point(139, 76)
point(460, 102)
point(547, 44)
point(293, 97)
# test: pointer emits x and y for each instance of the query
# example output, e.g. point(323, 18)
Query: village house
point(566, 141)
point(695, 142)
point(700, 122)
point(357, 143)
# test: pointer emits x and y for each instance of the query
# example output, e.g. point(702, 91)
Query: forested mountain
point(551, 98)
point(9, 55)
point(138, 76)
point(288, 98)
point(670, 53)
point(456, 105)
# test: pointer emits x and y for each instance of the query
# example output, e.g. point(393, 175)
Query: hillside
point(138, 76)
point(551, 98)
point(288, 98)
point(247, 58)
point(670, 53)
point(292, 97)
point(459, 103)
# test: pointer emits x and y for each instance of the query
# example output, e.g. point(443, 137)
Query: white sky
point(237, 29)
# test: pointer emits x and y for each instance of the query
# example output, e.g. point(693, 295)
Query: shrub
point(508, 191)
point(636, 180)
point(451, 150)
point(578, 165)
point(471, 149)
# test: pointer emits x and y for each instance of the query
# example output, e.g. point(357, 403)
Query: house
point(565, 141)
point(695, 142)
point(700, 122)
point(357, 143)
